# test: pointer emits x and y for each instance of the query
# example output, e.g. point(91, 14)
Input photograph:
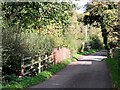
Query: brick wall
point(60, 54)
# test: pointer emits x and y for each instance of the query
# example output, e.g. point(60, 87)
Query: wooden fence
point(39, 61)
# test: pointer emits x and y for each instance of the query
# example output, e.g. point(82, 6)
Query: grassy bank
point(85, 53)
point(26, 82)
point(114, 69)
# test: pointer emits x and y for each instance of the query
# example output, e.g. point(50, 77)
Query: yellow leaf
point(87, 13)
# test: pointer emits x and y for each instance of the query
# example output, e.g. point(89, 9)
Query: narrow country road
point(88, 72)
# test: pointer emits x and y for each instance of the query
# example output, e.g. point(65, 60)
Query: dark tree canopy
point(105, 16)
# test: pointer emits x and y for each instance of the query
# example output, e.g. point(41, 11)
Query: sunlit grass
point(85, 53)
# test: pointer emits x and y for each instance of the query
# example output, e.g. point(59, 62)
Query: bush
point(75, 45)
point(12, 48)
point(95, 42)
point(117, 57)
point(114, 70)
point(114, 65)
point(76, 56)
point(17, 45)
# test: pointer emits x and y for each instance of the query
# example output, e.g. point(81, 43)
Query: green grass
point(114, 70)
point(85, 53)
point(26, 82)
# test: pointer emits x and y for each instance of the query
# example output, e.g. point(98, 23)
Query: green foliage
point(8, 78)
point(85, 53)
point(114, 69)
point(31, 28)
point(117, 54)
point(12, 79)
point(114, 65)
point(19, 45)
point(73, 35)
point(76, 35)
point(89, 52)
point(74, 45)
point(95, 43)
point(117, 57)
point(35, 15)
point(10, 53)
point(52, 18)
point(103, 15)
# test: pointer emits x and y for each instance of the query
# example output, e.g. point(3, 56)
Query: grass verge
point(85, 53)
point(114, 70)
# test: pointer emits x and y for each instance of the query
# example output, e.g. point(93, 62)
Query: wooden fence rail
point(48, 60)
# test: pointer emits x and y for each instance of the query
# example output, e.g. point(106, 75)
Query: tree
point(104, 15)
point(35, 15)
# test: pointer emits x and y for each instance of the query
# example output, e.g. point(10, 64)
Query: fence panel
point(47, 61)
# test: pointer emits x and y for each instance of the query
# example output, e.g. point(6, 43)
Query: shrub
point(17, 45)
point(95, 42)
point(114, 65)
point(114, 70)
point(117, 57)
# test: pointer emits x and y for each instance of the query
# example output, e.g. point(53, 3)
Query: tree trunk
point(105, 39)
point(106, 46)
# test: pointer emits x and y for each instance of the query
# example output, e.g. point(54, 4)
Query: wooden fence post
point(39, 63)
point(22, 69)
point(32, 64)
point(46, 61)
point(54, 58)
point(39, 68)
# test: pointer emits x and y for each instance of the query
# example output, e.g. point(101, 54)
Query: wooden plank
point(39, 66)
point(36, 62)
point(31, 64)
point(36, 56)
point(50, 56)
point(39, 55)
point(28, 65)
point(27, 58)
point(34, 70)
point(26, 73)
point(45, 59)
point(42, 65)
point(22, 69)
point(39, 62)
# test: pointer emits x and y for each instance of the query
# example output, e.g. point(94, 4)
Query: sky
point(80, 3)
